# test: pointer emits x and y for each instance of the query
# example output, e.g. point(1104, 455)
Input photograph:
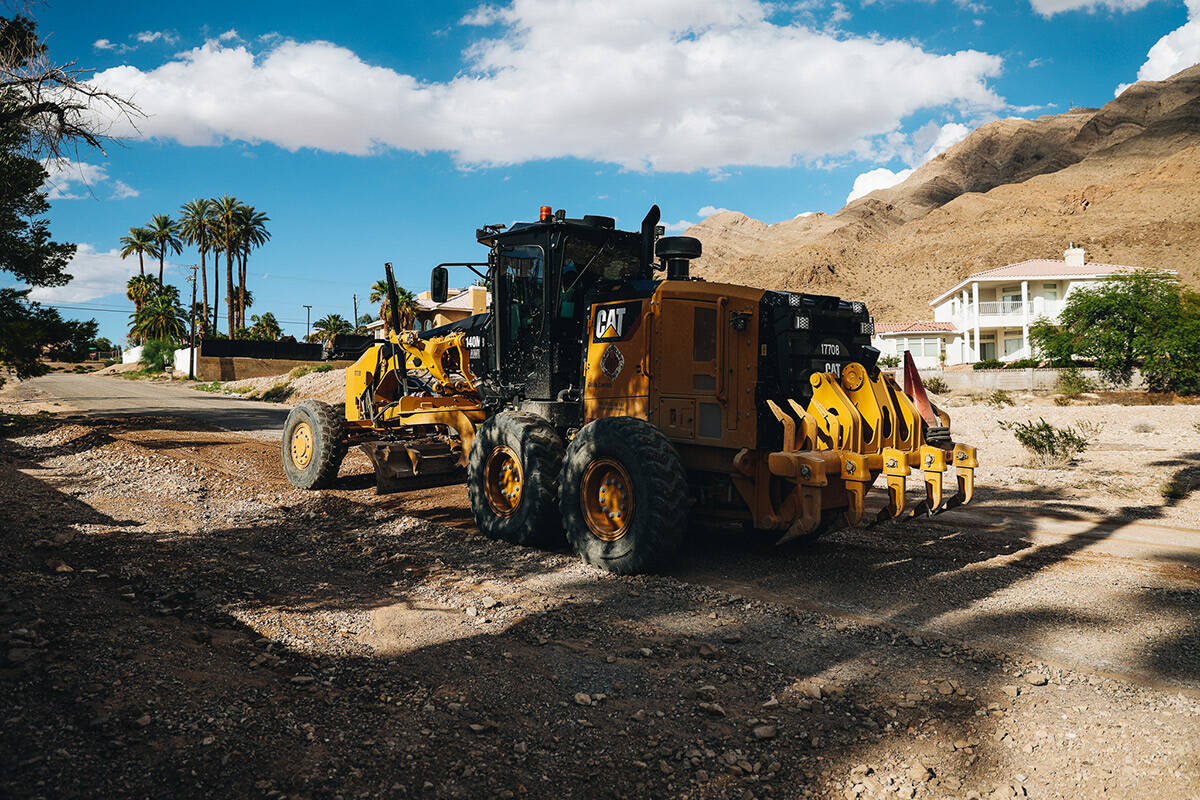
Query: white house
point(987, 315)
point(927, 341)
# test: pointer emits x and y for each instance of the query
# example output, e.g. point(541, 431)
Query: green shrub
point(991, 363)
point(1072, 383)
point(999, 398)
point(1051, 447)
point(323, 368)
point(936, 384)
point(277, 393)
point(158, 354)
point(1023, 363)
point(1181, 484)
point(891, 362)
point(215, 386)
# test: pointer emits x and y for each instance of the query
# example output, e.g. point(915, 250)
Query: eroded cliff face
point(1122, 181)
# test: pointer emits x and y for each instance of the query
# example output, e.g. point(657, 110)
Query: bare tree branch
point(56, 103)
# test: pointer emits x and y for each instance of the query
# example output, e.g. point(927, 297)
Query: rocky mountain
point(1122, 181)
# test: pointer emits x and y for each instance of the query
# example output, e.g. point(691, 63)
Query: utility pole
point(307, 321)
point(192, 349)
point(355, 311)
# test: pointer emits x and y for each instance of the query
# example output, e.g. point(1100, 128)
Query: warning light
point(545, 213)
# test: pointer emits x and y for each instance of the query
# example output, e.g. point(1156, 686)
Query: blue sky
point(373, 132)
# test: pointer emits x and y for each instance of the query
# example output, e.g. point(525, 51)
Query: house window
point(1013, 343)
point(1011, 299)
point(922, 345)
point(1050, 291)
point(987, 347)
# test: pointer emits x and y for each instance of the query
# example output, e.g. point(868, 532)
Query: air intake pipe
point(676, 252)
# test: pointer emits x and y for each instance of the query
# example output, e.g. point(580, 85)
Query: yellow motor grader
point(608, 394)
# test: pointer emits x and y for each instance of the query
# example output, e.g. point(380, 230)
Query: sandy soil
point(176, 619)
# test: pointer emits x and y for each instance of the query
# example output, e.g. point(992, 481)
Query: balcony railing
point(1012, 309)
point(1002, 308)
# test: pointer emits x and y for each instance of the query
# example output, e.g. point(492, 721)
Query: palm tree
point(165, 232)
point(265, 327)
point(138, 241)
point(407, 305)
point(160, 317)
point(140, 288)
point(226, 213)
point(252, 232)
point(197, 225)
point(330, 326)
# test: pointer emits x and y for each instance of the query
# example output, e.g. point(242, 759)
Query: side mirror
point(439, 284)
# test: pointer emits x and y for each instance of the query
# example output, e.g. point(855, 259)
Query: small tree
point(1140, 319)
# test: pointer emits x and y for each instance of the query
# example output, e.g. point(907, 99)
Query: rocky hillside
point(1122, 181)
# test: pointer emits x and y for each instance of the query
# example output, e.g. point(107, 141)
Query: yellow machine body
point(689, 365)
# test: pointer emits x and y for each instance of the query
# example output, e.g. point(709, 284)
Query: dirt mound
point(328, 386)
point(1119, 181)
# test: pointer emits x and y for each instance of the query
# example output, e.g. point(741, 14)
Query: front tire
point(512, 479)
point(314, 444)
point(623, 495)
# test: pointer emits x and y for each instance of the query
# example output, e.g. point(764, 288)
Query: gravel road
point(104, 396)
point(176, 619)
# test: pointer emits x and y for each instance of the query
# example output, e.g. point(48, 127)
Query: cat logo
point(614, 323)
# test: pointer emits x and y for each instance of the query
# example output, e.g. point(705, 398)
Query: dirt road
point(105, 396)
point(179, 620)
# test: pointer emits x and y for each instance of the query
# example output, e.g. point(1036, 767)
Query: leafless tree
point(54, 102)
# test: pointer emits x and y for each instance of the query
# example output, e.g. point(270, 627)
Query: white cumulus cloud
point(95, 274)
point(72, 180)
point(881, 178)
point(1048, 8)
point(1176, 51)
point(924, 144)
point(672, 85)
point(708, 211)
point(79, 180)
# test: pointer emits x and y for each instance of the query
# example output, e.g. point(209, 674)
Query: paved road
point(105, 396)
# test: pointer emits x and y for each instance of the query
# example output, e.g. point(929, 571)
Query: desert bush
point(936, 384)
point(300, 372)
point(1061, 400)
point(999, 398)
point(991, 363)
point(1073, 383)
point(1089, 429)
point(1142, 427)
point(158, 354)
point(1181, 484)
point(1022, 363)
point(1051, 447)
point(323, 368)
point(891, 362)
point(277, 393)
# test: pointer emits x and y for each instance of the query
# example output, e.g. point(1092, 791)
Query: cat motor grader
point(607, 393)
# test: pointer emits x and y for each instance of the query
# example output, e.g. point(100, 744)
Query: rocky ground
point(175, 619)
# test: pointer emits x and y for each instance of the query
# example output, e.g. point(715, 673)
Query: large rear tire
point(623, 495)
point(512, 479)
point(314, 444)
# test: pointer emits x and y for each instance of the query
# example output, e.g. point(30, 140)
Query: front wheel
point(512, 478)
point(623, 495)
point(314, 444)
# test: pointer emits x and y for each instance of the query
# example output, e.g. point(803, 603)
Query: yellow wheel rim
point(607, 499)
point(302, 445)
point(503, 481)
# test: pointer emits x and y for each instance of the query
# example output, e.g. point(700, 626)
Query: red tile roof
point(916, 326)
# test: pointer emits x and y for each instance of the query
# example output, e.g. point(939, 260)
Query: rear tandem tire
point(623, 495)
point(512, 479)
point(314, 444)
